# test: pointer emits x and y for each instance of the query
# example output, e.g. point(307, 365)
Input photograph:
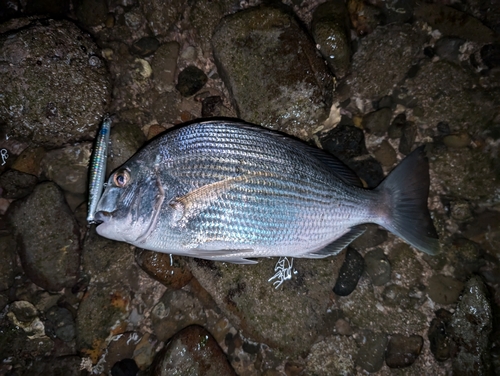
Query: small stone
point(457, 141)
point(60, 324)
point(443, 289)
point(170, 270)
point(23, 310)
point(145, 46)
point(408, 138)
point(371, 354)
point(15, 184)
point(490, 54)
point(402, 351)
point(386, 154)
point(125, 367)
point(460, 210)
point(343, 328)
point(29, 161)
point(350, 272)
point(481, 231)
point(396, 128)
point(377, 267)
point(164, 66)
point(396, 296)
point(166, 107)
point(443, 128)
point(211, 106)
point(190, 81)
point(192, 348)
point(373, 236)
point(439, 338)
point(448, 48)
point(378, 122)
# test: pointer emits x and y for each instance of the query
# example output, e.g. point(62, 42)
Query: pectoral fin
point(337, 245)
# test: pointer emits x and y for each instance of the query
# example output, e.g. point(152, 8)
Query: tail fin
point(404, 196)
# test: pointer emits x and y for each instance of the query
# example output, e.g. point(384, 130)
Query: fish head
point(127, 206)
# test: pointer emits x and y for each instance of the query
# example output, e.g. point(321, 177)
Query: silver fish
point(229, 191)
point(98, 168)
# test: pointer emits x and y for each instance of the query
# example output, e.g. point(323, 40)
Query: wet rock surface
point(417, 73)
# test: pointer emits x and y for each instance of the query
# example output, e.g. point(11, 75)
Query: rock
point(460, 210)
point(373, 236)
point(15, 184)
point(190, 81)
point(261, 55)
point(350, 272)
point(371, 354)
point(396, 127)
point(68, 167)
point(377, 122)
point(125, 140)
point(343, 328)
point(458, 141)
point(330, 356)
point(448, 48)
point(383, 59)
point(60, 324)
point(330, 30)
point(404, 265)
point(52, 116)
point(365, 17)
point(396, 296)
point(211, 106)
point(192, 351)
point(166, 108)
point(407, 138)
point(8, 266)
point(439, 336)
point(44, 225)
point(29, 161)
point(450, 21)
point(386, 154)
point(377, 267)
point(176, 309)
point(402, 351)
point(443, 289)
point(164, 66)
point(471, 325)
point(160, 17)
point(170, 270)
point(145, 46)
point(490, 54)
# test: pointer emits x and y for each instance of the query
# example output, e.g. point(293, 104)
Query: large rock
point(48, 238)
point(272, 70)
point(55, 86)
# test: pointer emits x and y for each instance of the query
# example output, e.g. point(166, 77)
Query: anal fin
point(337, 245)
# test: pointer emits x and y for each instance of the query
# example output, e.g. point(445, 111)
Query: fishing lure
point(98, 168)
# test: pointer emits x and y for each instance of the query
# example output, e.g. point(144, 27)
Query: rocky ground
point(366, 81)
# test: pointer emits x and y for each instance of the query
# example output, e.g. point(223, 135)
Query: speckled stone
point(443, 289)
point(371, 354)
point(15, 184)
point(350, 272)
point(378, 267)
point(190, 81)
point(402, 351)
point(378, 122)
point(439, 337)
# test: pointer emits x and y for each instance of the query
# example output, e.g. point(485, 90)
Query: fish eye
point(121, 178)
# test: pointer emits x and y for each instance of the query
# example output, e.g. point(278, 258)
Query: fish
point(234, 192)
point(98, 168)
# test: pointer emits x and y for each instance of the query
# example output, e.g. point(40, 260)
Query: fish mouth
point(101, 217)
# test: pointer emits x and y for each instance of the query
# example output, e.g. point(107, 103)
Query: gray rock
point(448, 48)
point(383, 59)
point(377, 267)
point(68, 167)
point(371, 355)
point(192, 351)
point(145, 46)
point(404, 265)
point(166, 108)
point(164, 66)
point(48, 237)
point(443, 289)
point(409, 133)
point(439, 336)
point(350, 272)
point(160, 17)
point(386, 154)
point(402, 351)
point(16, 184)
point(396, 296)
point(52, 109)
point(60, 324)
point(483, 231)
point(396, 127)
point(125, 140)
point(261, 55)
point(330, 29)
point(373, 236)
point(8, 267)
point(378, 122)
point(471, 325)
point(331, 357)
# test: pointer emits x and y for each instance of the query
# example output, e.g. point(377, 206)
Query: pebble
point(481, 231)
point(164, 66)
point(190, 81)
point(168, 269)
point(16, 184)
point(371, 354)
point(350, 272)
point(386, 154)
point(444, 290)
point(211, 106)
point(378, 267)
point(402, 351)
point(378, 122)
point(457, 141)
point(460, 210)
point(145, 46)
point(60, 324)
point(407, 138)
point(396, 127)
point(372, 237)
point(448, 48)
point(443, 128)
point(29, 161)
point(343, 327)
point(396, 296)
point(193, 348)
point(439, 337)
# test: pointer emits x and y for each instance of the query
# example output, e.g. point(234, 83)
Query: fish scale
point(230, 191)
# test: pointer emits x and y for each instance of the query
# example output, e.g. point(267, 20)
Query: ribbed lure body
point(98, 168)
